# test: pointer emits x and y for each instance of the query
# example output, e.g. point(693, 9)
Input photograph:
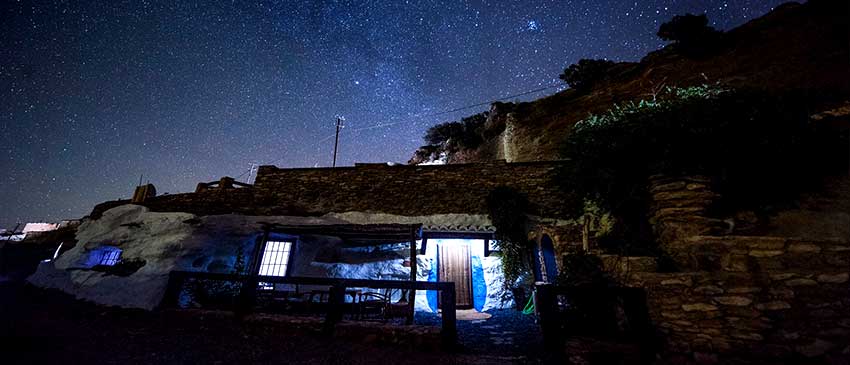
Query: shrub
point(586, 73)
point(466, 133)
point(758, 147)
point(691, 34)
point(508, 209)
point(582, 269)
point(426, 153)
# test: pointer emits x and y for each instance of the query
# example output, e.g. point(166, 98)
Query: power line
point(458, 109)
point(381, 125)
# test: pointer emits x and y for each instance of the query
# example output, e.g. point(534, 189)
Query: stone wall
point(758, 298)
point(408, 190)
point(208, 202)
point(681, 208)
point(401, 189)
point(790, 300)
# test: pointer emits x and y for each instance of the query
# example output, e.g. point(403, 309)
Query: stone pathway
point(507, 333)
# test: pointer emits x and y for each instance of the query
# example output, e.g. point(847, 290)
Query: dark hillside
point(794, 47)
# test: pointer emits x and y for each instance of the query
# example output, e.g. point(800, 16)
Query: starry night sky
point(95, 93)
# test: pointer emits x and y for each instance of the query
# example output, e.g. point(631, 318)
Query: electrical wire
point(382, 125)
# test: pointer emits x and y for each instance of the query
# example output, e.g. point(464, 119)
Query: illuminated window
point(110, 257)
point(275, 258)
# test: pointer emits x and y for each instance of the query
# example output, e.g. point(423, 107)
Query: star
point(97, 94)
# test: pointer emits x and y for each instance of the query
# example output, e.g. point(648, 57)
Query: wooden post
point(171, 297)
point(247, 295)
point(449, 322)
point(336, 299)
point(257, 255)
point(544, 299)
point(411, 301)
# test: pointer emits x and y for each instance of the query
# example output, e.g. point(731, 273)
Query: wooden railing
point(248, 294)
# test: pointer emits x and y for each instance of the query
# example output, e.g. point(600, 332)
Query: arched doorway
point(546, 270)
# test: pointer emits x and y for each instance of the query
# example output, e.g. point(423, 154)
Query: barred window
point(275, 258)
point(110, 257)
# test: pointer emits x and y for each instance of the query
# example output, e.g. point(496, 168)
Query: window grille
point(275, 258)
point(110, 258)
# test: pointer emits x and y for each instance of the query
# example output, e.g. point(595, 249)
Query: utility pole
point(336, 140)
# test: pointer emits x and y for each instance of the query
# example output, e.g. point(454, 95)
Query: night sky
point(95, 94)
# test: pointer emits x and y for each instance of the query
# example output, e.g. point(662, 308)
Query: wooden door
point(455, 265)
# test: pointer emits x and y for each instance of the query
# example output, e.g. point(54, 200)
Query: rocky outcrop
point(791, 48)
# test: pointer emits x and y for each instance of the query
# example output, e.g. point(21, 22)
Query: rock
point(743, 290)
point(684, 281)
point(735, 263)
point(708, 290)
point(803, 248)
point(734, 300)
point(779, 277)
point(834, 278)
point(765, 253)
point(782, 293)
point(773, 306)
point(800, 282)
point(671, 315)
point(701, 307)
point(816, 348)
point(747, 336)
point(765, 243)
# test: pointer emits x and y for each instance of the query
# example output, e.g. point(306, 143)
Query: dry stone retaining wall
point(408, 189)
point(400, 189)
point(741, 297)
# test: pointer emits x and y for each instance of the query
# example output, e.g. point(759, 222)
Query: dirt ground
point(45, 327)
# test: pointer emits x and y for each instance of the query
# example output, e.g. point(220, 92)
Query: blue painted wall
point(479, 286)
point(432, 294)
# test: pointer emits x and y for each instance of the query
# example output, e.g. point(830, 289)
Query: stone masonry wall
point(408, 189)
point(768, 298)
point(759, 298)
point(402, 189)
point(208, 202)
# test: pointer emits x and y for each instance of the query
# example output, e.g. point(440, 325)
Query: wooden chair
point(380, 306)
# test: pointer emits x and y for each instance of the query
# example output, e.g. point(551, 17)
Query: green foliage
point(508, 209)
point(691, 34)
point(586, 73)
point(758, 147)
point(598, 222)
point(582, 269)
point(466, 133)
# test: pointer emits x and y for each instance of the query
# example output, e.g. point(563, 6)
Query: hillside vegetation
point(796, 47)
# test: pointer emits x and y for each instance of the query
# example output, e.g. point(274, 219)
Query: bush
point(466, 133)
point(508, 209)
point(691, 34)
point(582, 269)
point(586, 73)
point(758, 147)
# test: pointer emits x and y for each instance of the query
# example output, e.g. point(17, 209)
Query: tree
point(443, 132)
point(466, 133)
point(690, 34)
point(586, 73)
